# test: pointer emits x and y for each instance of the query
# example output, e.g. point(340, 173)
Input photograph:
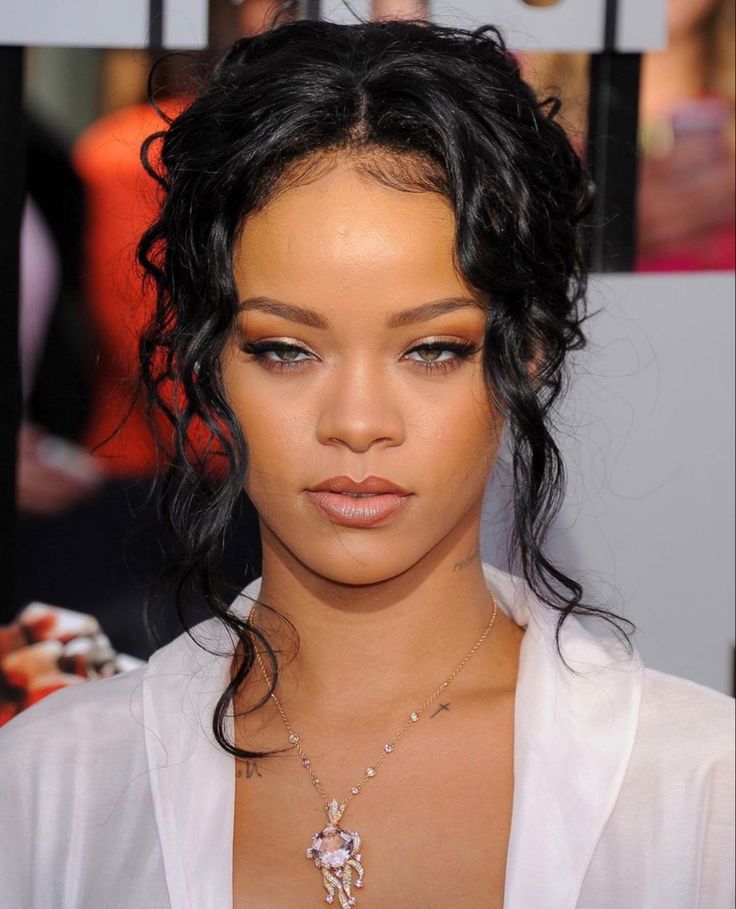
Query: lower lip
point(367, 511)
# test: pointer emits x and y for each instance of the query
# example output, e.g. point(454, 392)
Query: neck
point(673, 75)
point(379, 645)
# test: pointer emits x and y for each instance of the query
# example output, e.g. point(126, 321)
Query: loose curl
point(420, 107)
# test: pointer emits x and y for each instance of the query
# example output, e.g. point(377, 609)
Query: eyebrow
point(422, 313)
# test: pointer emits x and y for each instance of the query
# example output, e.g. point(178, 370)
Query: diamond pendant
point(336, 852)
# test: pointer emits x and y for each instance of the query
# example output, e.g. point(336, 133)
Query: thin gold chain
point(388, 748)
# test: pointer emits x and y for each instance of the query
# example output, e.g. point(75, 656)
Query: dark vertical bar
point(12, 166)
point(610, 26)
point(613, 124)
point(311, 9)
point(156, 23)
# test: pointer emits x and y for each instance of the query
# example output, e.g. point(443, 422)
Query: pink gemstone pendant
point(336, 852)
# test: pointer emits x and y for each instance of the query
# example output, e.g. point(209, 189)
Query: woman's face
point(357, 353)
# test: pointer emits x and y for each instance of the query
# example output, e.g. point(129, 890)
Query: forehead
point(344, 233)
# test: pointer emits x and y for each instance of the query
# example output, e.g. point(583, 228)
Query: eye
point(440, 356)
point(433, 354)
point(277, 355)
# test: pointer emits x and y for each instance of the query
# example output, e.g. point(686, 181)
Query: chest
point(434, 822)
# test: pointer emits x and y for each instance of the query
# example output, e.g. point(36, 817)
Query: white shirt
point(114, 793)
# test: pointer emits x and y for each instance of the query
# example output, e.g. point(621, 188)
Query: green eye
point(442, 355)
point(277, 355)
point(433, 354)
point(287, 354)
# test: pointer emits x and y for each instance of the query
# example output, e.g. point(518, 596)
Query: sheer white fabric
point(114, 793)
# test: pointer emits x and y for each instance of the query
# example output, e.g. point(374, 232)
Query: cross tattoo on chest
point(441, 707)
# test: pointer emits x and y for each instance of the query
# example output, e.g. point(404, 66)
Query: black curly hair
point(420, 107)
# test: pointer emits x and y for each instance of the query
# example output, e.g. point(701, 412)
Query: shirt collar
point(573, 740)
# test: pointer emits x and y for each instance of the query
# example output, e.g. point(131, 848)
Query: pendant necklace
point(336, 850)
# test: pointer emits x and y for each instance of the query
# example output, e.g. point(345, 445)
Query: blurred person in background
point(685, 205)
point(46, 648)
point(74, 513)
point(89, 539)
point(686, 185)
point(54, 472)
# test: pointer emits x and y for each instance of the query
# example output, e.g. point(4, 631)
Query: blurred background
point(654, 542)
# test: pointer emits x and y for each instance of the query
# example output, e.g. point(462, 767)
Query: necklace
point(335, 850)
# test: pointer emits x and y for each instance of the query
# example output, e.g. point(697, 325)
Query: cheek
point(262, 418)
point(276, 433)
point(457, 438)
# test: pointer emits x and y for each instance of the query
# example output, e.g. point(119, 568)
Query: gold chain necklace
point(336, 850)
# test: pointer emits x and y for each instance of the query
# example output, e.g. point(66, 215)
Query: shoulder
point(107, 715)
point(668, 840)
point(87, 717)
point(684, 755)
point(680, 714)
point(76, 800)
point(70, 755)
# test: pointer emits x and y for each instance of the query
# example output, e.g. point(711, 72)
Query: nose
point(359, 409)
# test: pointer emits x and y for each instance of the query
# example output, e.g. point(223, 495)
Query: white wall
point(101, 23)
point(647, 431)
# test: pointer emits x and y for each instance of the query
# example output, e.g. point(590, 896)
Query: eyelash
point(463, 350)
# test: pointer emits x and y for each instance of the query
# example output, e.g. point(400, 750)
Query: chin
point(352, 573)
point(360, 559)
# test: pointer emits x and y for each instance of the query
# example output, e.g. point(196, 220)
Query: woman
point(368, 270)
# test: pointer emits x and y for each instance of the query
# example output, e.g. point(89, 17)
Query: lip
point(382, 500)
point(370, 485)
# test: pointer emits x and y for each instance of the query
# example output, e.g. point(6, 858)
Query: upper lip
point(374, 485)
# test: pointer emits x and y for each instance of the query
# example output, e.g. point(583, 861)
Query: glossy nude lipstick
point(352, 503)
